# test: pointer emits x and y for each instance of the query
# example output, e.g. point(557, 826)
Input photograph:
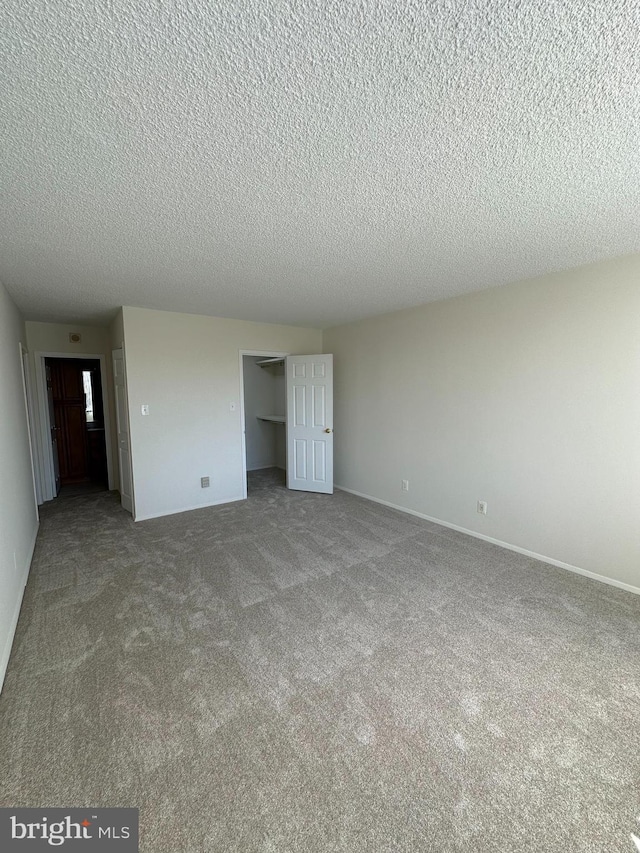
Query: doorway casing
point(44, 462)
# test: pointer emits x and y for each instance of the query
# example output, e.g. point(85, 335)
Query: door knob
point(327, 429)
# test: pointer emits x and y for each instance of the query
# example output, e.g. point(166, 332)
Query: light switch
point(145, 409)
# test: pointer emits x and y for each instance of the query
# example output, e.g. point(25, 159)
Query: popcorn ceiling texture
point(310, 162)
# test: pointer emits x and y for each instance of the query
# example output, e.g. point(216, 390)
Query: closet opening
point(265, 450)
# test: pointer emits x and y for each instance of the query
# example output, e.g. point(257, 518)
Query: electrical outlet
point(204, 483)
point(405, 485)
point(482, 507)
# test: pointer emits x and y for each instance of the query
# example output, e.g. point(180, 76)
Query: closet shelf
point(268, 362)
point(275, 419)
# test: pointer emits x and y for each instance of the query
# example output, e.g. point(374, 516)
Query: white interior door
point(122, 420)
point(309, 386)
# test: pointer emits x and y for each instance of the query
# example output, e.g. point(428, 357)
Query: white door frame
point(131, 497)
point(31, 431)
point(263, 354)
point(46, 474)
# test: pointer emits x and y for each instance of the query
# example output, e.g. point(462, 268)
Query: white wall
point(116, 331)
point(18, 515)
point(96, 340)
point(187, 369)
point(526, 396)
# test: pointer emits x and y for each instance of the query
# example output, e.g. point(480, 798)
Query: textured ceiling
point(310, 161)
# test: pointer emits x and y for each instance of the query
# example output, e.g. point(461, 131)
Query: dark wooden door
point(70, 416)
point(81, 447)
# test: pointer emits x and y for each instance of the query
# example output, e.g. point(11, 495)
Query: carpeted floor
point(319, 673)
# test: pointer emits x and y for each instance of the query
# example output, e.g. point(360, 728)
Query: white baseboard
point(187, 509)
point(6, 652)
point(543, 559)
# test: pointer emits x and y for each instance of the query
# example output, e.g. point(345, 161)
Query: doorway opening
point(264, 427)
point(287, 420)
point(77, 419)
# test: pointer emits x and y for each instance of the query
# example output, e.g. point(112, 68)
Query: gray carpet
point(320, 673)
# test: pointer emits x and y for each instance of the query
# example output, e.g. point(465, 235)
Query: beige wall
point(96, 340)
point(18, 516)
point(187, 369)
point(116, 331)
point(525, 396)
